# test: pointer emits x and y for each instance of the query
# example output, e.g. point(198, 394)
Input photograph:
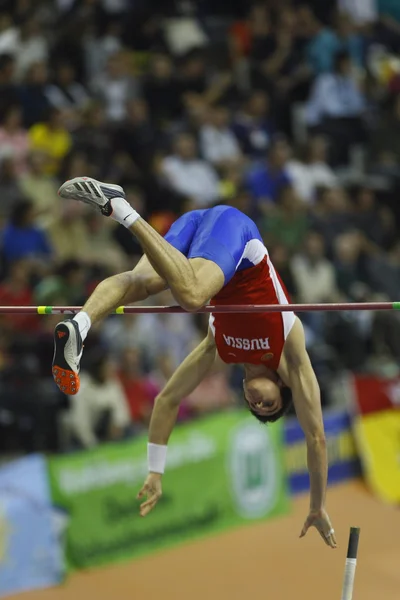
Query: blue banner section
point(343, 459)
point(31, 554)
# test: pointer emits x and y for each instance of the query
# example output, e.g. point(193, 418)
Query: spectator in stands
point(66, 93)
point(52, 138)
point(336, 108)
point(99, 411)
point(385, 141)
point(41, 189)
point(116, 87)
point(187, 174)
point(218, 144)
point(140, 389)
point(137, 136)
point(376, 222)
point(68, 282)
point(16, 290)
point(288, 223)
point(331, 215)
point(310, 170)
point(314, 275)
point(92, 136)
point(32, 93)
point(8, 87)
point(320, 41)
point(32, 47)
point(267, 180)
point(161, 90)
point(22, 239)
point(10, 189)
point(254, 126)
point(14, 140)
point(349, 265)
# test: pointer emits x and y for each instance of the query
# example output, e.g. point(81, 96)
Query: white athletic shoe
point(68, 349)
point(93, 192)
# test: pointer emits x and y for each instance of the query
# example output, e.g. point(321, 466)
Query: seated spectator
point(320, 42)
point(265, 181)
point(349, 265)
point(16, 290)
point(385, 141)
point(14, 140)
point(218, 144)
point(99, 412)
point(254, 126)
point(137, 135)
point(383, 271)
point(66, 93)
point(140, 389)
point(100, 46)
point(188, 175)
point(8, 87)
point(161, 90)
point(349, 40)
point(116, 86)
point(68, 282)
point(92, 136)
point(288, 223)
point(377, 222)
point(32, 47)
point(364, 14)
point(10, 189)
point(331, 215)
point(336, 108)
point(52, 138)
point(41, 189)
point(313, 273)
point(32, 93)
point(22, 239)
point(310, 170)
point(68, 232)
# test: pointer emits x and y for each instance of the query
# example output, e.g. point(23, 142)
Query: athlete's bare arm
point(185, 379)
point(299, 375)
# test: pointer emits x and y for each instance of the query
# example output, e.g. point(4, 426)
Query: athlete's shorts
point(219, 234)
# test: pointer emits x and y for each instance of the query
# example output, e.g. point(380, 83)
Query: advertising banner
point(222, 471)
point(342, 454)
point(31, 555)
point(376, 426)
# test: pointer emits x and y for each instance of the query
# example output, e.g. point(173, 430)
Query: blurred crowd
point(287, 109)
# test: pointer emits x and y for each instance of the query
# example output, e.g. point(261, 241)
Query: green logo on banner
point(255, 470)
point(222, 471)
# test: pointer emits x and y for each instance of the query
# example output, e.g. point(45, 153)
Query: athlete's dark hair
point(286, 395)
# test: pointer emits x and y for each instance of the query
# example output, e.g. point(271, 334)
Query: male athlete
point(215, 254)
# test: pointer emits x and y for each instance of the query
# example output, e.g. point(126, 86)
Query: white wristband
point(156, 457)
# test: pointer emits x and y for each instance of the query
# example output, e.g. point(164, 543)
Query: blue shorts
point(219, 234)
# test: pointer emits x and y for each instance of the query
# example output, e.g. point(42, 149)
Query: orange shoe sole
point(68, 381)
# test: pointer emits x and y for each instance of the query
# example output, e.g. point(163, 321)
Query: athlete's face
point(263, 394)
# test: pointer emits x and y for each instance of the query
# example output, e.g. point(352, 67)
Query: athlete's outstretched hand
point(320, 520)
point(152, 490)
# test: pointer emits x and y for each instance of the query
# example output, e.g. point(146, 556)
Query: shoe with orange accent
point(68, 348)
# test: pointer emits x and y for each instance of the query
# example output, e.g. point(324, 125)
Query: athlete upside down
point(215, 254)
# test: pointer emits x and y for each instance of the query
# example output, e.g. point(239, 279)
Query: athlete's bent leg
point(192, 281)
point(123, 289)
point(115, 291)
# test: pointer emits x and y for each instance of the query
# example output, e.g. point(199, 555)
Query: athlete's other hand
point(152, 490)
point(320, 520)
